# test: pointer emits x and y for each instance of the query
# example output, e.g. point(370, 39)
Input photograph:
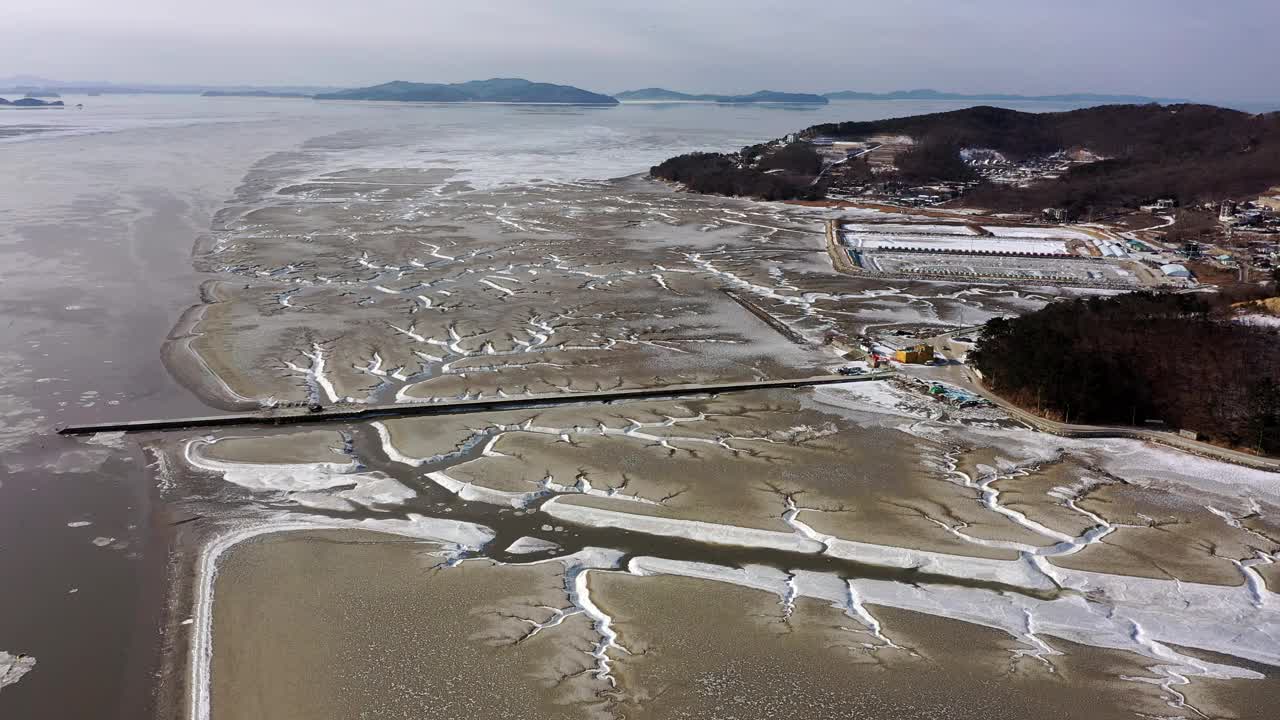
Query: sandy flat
point(350, 625)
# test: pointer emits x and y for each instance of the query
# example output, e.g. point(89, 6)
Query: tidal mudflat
point(855, 549)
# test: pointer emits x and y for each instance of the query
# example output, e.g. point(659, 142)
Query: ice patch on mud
point(108, 439)
point(13, 667)
point(1103, 610)
point(1136, 461)
point(1134, 619)
point(875, 396)
point(306, 483)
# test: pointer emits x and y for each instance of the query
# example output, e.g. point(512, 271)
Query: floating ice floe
point(527, 545)
point(13, 667)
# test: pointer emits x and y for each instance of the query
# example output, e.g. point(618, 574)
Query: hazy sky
point(1181, 48)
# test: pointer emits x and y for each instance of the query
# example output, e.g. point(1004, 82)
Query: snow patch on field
point(1056, 233)
point(954, 243)
point(920, 229)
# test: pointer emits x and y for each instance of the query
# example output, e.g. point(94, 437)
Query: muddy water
point(95, 235)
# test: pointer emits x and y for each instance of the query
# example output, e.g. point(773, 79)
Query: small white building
point(1175, 270)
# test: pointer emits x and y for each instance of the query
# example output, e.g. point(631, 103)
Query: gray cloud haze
point(1174, 48)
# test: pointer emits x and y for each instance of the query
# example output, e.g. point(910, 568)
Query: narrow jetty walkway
point(780, 327)
point(359, 413)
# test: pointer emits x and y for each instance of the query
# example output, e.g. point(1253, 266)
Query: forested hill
point(1180, 359)
point(1190, 153)
point(508, 90)
point(1140, 133)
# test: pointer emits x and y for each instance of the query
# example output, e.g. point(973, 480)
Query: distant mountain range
point(523, 91)
point(763, 96)
point(939, 95)
point(770, 96)
point(505, 90)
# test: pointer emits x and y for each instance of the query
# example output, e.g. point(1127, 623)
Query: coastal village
point(922, 232)
point(1143, 248)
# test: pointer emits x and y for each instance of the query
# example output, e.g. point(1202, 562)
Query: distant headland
point(497, 90)
point(1093, 98)
point(655, 94)
point(30, 102)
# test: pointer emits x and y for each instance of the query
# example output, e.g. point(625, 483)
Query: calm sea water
point(568, 141)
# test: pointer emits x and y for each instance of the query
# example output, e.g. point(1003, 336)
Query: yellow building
point(921, 353)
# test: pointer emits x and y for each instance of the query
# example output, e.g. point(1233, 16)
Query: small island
point(496, 90)
point(30, 102)
point(763, 96)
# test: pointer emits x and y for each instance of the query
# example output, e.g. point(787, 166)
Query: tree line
point(1129, 359)
point(720, 174)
